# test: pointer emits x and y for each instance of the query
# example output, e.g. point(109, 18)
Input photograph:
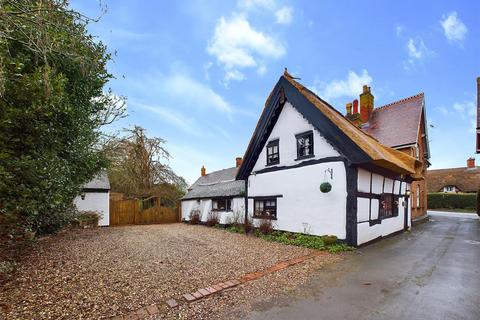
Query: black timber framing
point(285, 91)
point(352, 187)
point(301, 164)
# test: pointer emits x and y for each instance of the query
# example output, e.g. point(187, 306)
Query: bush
point(306, 240)
point(87, 219)
point(265, 226)
point(213, 218)
point(329, 240)
point(195, 217)
point(452, 201)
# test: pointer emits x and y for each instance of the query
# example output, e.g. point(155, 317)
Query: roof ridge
point(400, 101)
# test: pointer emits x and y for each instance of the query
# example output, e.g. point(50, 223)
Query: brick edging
point(214, 289)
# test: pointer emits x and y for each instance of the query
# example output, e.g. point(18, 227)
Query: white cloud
point(170, 116)
point(453, 28)
point(417, 51)
point(252, 4)
point(236, 44)
point(399, 30)
point(349, 87)
point(284, 15)
point(233, 75)
point(194, 93)
point(262, 70)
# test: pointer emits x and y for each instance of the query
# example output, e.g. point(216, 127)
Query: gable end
point(285, 91)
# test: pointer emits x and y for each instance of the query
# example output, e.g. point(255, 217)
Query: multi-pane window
point(388, 206)
point(304, 145)
point(224, 204)
point(273, 156)
point(266, 208)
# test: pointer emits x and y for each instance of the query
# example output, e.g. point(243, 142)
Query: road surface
point(432, 272)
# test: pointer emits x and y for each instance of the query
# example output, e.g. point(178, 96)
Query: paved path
point(432, 272)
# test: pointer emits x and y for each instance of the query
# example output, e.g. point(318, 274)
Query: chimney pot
point(349, 108)
point(366, 88)
point(355, 106)
point(238, 161)
point(471, 163)
point(203, 171)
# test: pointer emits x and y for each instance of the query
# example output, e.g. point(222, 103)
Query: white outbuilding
point(95, 196)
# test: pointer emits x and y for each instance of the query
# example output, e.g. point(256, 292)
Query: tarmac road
point(432, 272)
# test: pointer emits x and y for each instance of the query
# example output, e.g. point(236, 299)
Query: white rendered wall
point(205, 206)
point(289, 123)
point(303, 207)
point(365, 232)
point(95, 201)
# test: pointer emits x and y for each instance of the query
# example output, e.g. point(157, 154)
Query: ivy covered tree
point(53, 102)
point(139, 167)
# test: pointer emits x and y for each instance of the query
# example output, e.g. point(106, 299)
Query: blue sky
point(197, 73)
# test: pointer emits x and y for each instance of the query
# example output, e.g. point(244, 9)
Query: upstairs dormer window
point(273, 155)
point(305, 145)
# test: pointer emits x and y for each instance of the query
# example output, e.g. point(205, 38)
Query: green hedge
point(452, 201)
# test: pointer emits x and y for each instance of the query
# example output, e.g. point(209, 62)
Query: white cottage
point(95, 196)
point(302, 143)
point(217, 191)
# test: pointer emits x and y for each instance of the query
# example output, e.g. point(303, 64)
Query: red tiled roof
point(465, 179)
point(397, 123)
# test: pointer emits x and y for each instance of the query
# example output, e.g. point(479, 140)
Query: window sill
point(264, 217)
point(305, 157)
point(221, 210)
point(379, 220)
point(272, 164)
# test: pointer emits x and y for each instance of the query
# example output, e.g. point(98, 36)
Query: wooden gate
point(124, 212)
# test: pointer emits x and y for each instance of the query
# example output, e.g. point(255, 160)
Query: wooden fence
point(124, 212)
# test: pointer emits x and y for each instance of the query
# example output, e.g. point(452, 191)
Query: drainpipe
point(246, 201)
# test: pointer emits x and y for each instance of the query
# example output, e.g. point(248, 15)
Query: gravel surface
point(102, 272)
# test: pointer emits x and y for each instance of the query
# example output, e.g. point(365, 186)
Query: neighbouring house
point(95, 196)
point(217, 192)
point(477, 149)
point(309, 169)
point(400, 125)
point(452, 180)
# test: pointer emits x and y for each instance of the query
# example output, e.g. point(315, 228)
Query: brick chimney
point(366, 104)
point(471, 163)
point(238, 162)
point(353, 116)
point(478, 115)
point(203, 171)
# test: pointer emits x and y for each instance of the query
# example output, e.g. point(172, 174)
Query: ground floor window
point(224, 204)
point(265, 208)
point(388, 206)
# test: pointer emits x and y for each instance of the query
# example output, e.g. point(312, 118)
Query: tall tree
point(139, 167)
point(52, 103)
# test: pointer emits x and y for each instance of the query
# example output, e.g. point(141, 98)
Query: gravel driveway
point(103, 272)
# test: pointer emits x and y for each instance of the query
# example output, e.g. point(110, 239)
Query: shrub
point(247, 226)
point(195, 217)
point(213, 218)
point(452, 201)
point(329, 240)
point(265, 226)
point(87, 219)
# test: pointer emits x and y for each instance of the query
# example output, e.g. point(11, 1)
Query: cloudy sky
point(197, 73)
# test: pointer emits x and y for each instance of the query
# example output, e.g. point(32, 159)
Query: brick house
point(450, 180)
point(400, 125)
